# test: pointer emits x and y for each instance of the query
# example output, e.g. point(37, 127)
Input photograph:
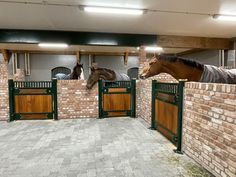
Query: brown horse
point(76, 74)
point(181, 68)
point(104, 74)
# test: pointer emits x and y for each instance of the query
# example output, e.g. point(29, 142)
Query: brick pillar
point(20, 75)
point(142, 57)
point(4, 104)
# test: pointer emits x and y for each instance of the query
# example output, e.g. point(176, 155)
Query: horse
point(182, 68)
point(76, 74)
point(104, 74)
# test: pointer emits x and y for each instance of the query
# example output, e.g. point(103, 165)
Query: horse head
point(99, 73)
point(77, 70)
point(152, 68)
point(93, 78)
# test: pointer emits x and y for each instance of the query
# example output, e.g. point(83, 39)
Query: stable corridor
point(112, 147)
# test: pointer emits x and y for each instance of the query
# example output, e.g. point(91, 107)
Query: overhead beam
point(72, 52)
point(190, 51)
point(194, 42)
point(6, 55)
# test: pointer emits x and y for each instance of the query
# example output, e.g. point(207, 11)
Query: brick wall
point(20, 75)
point(74, 101)
point(4, 104)
point(209, 129)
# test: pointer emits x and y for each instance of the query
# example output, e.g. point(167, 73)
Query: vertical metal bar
point(54, 95)
point(11, 99)
point(100, 95)
point(180, 116)
point(154, 83)
point(133, 98)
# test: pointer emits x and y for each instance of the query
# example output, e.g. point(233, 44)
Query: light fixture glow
point(225, 17)
point(153, 49)
point(113, 10)
point(53, 45)
point(103, 42)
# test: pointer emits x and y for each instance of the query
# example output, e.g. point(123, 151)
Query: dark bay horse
point(105, 74)
point(181, 68)
point(76, 74)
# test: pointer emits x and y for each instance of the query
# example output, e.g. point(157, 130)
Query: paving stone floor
point(114, 147)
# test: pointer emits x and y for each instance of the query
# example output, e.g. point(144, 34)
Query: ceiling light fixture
point(53, 45)
point(224, 17)
point(113, 10)
point(153, 49)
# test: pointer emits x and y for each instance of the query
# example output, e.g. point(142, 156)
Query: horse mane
point(105, 69)
point(188, 62)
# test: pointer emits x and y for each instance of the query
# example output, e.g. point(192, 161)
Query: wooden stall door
point(166, 117)
point(27, 104)
point(117, 98)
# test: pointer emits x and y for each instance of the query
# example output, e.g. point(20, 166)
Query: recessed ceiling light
point(113, 10)
point(53, 45)
point(225, 17)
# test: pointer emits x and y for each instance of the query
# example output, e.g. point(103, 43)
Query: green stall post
point(11, 99)
point(100, 99)
point(54, 95)
point(154, 84)
point(180, 116)
point(133, 101)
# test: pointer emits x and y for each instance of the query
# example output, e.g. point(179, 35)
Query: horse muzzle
point(142, 77)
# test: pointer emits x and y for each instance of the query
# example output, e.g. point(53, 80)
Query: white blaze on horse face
point(82, 74)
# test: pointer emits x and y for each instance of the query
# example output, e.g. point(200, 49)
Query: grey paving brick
point(115, 147)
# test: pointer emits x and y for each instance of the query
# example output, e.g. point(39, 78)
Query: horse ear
point(92, 68)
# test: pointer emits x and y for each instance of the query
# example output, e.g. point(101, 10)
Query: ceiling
point(163, 17)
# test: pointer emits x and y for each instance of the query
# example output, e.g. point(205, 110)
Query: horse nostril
point(141, 77)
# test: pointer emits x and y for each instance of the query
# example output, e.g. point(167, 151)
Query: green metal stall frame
point(103, 87)
point(176, 90)
point(15, 88)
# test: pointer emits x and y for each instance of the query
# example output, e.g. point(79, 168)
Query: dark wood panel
point(166, 115)
point(164, 132)
point(33, 103)
point(32, 91)
point(111, 90)
point(110, 114)
point(33, 116)
point(116, 102)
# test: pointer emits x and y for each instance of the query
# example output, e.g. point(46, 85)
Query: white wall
point(116, 63)
point(231, 58)
point(41, 64)
point(210, 57)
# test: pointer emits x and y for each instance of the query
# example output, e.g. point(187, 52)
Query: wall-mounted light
point(113, 10)
point(153, 49)
point(53, 45)
point(224, 17)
